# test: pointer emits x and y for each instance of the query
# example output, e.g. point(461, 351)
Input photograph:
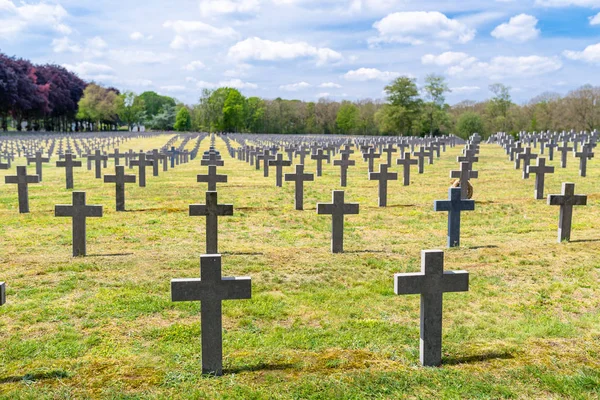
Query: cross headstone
point(344, 163)
point(98, 157)
point(540, 172)
point(79, 211)
point(211, 210)
point(566, 201)
point(212, 178)
point(337, 209)
point(22, 180)
point(211, 289)
point(2, 293)
point(421, 154)
point(279, 163)
point(319, 156)
point(141, 163)
point(583, 156)
point(454, 205)
point(119, 179)
point(117, 156)
point(406, 162)
point(38, 160)
point(68, 164)
point(299, 178)
point(383, 176)
point(464, 174)
point(370, 157)
point(431, 283)
point(390, 150)
point(564, 151)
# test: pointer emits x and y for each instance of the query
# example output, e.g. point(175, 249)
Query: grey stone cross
point(266, 157)
point(117, 156)
point(390, 150)
point(464, 174)
point(383, 176)
point(299, 178)
point(583, 156)
point(454, 205)
point(79, 211)
point(119, 179)
point(38, 160)
point(337, 209)
point(279, 163)
point(212, 160)
point(370, 157)
point(564, 151)
point(421, 154)
point(211, 210)
point(566, 201)
point(210, 290)
point(98, 157)
point(406, 162)
point(2, 293)
point(141, 163)
point(212, 178)
point(344, 163)
point(319, 156)
point(526, 157)
point(540, 172)
point(68, 165)
point(22, 180)
point(431, 283)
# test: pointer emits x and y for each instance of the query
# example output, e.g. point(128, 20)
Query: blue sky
point(306, 49)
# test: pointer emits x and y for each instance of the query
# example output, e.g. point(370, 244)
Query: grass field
point(318, 326)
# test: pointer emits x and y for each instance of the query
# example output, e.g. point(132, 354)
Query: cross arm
point(408, 283)
point(442, 205)
point(63, 210)
point(229, 288)
point(324, 208)
point(93, 211)
point(11, 179)
point(198, 210)
point(455, 281)
point(351, 208)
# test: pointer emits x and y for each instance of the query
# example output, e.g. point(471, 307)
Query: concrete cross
point(421, 154)
point(370, 157)
point(174, 155)
point(266, 157)
point(344, 163)
point(583, 156)
point(390, 150)
point(22, 180)
point(68, 165)
point(319, 156)
point(211, 210)
point(38, 160)
point(79, 211)
point(155, 157)
point(431, 283)
point(2, 293)
point(98, 157)
point(406, 162)
point(551, 145)
point(302, 152)
point(119, 179)
point(210, 290)
point(564, 151)
point(464, 174)
point(540, 172)
point(337, 209)
point(213, 159)
point(117, 156)
point(212, 178)
point(383, 176)
point(279, 163)
point(454, 205)
point(299, 178)
point(141, 163)
point(526, 157)
point(566, 201)
point(469, 157)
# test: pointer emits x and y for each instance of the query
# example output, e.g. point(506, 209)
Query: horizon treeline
point(50, 98)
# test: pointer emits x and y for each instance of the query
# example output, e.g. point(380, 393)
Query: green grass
point(318, 326)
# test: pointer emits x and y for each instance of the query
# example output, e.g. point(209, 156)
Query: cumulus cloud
point(323, 95)
point(293, 87)
point(420, 27)
point(330, 85)
point(91, 71)
point(370, 74)
point(194, 65)
point(447, 58)
point(192, 34)
point(139, 36)
point(15, 19)
point(465, 89)
point(232, 83)
point(504, 66)
point(591, 54)
point(240, 70)
point(128, 57)
point(173, 88)
point(595, 20)
point(212, 7)
point(519, 28)
point(267, 50)
point(65, 45)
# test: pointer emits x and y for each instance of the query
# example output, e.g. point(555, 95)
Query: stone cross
point(38, 160)
point(22, 180)
point(383, 176)
point(583, 156)
point(117, 156)
point(464, 174)
point(266, 157)
point(119, 179)
point(344, 163)
point(68, 164)
point(566, 201)
point(564, 151)
point(299, 178)
point(211, 289)
point(155, 157)
point(319, 156)
point(279, 163)
point(212, 178)
point(142, 163)
point(98, 158)
point(370, 157)
point(390, 150)
point(421, 154)
point(454, 205)
point(212, 160)
point(431, 283)
point(526, 157)
point(211, 210)
point(540, 172)
point(173, 154)
point(337, 209)
point(406, 162)
point(79, 211)
point(2, 293)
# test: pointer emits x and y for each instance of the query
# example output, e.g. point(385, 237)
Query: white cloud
point(233, 83)
point(194, 65)
point(212, 7)
point(370, 74)
point(567, 3)
point(591, 54)
point(173, 88)
point(519, 28)
point(128, 57)
point(323, 95)
point(65, 45)
point(139, 36)
point(465, 89)
point(15, 19)
point(192, 34)
point(95, 47)
point(420, 27)
point(447, 58)
point(267, 50)
point(595, 20)
point(330, 85)
point(292, 87)
point(503, 66)
point(88, 70)
point(239, 71)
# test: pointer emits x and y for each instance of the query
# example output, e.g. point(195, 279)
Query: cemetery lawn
point(319, 325)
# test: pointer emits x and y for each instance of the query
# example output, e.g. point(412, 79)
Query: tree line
point(51, 98)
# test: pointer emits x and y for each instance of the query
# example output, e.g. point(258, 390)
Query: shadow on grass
point(258, 367)
point(489, 246)
point(585, 240)
point(239, 253)
point(256, 208)
point(365, 251)
point(110, 255)
point(35, 377)
point(400, 205)
point(477, 358)
point(169, 210)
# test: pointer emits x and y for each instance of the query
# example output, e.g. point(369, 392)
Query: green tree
point(233, 111)
point(183, 121)
point(347, 118)
point(130, 109)
point(435, 88)
point(98, 106)
point(165, 119)
point(405, 104)
point(499, 106)
point(469, 123)
point(154, 103)
point(255, 114)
